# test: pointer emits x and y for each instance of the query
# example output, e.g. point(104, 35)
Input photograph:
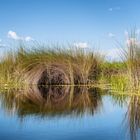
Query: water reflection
point(133, 117)
point(52, 101)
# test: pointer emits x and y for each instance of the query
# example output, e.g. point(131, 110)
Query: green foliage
point(119, 82)
point(113, 68)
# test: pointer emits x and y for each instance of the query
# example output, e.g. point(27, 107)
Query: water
point(68, 114)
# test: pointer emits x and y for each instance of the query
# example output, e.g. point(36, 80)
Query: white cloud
point(0, 40)
point(111, 35)
point(28, 38)
point(132, 41)
point(81, 45)
point(13, 35)
point(114, 8)
point(113, 54)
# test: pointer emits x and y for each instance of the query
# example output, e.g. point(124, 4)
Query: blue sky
point(96, 22)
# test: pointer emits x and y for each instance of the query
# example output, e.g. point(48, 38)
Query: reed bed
point(125, 75)
point(56, 65)
point(47, 66)
point(132, 60)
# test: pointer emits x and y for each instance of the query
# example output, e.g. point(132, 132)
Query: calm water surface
point(68, 114)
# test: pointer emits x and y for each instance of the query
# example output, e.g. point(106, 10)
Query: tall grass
point(125, 75)
point(114, 73)
point(50, 66)
point(9, 73)
point(132, 59)
point(56, 65)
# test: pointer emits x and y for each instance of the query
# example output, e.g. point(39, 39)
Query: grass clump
point(47, 66)
point(9, 74)
point(114, 75)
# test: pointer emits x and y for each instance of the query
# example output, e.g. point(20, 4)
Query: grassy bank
point(56, 65)
point(46, 66)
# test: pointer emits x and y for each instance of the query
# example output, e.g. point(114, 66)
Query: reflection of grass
point(133, 117)
point(53, 101)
